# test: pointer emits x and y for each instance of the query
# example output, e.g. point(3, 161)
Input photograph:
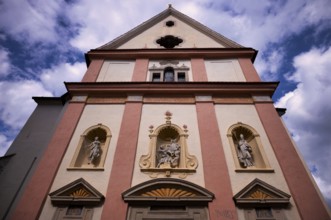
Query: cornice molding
point(182, 53)
point(108, 89)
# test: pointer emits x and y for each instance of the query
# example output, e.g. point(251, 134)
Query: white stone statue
point(95, 150)
point(245, 152)
point(168, 155)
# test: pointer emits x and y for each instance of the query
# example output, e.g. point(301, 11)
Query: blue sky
point(42, 44)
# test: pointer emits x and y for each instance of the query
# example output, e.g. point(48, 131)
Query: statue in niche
point(95, 150)
point(245, 152)
point(168, 155)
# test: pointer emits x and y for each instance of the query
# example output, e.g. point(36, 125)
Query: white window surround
point(156, 72)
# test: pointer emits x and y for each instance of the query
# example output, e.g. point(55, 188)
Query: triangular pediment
point(167, 190)
point(186, 31)
point(79, 192)
point(259, 193)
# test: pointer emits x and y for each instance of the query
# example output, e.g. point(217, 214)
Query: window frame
point(160, 70)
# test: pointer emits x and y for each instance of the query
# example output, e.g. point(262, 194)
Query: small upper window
point(170, 23)
point(181, 77)
point(169, 74)
point(156, 77)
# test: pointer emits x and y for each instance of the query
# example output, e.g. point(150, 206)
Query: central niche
point(168, 151)
point(168, 148)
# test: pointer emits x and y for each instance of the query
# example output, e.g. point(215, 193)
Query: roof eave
point(176, 53)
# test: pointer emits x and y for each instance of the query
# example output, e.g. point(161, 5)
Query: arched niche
point(247, 149)
point(92, 148)
point(168, 152)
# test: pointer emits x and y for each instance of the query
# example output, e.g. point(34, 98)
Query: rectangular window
point(181, 77)
point(74, 210)
point(156, 77)
point(264, 213)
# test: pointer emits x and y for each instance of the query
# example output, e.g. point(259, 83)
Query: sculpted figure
point(162, 155)
point(244, 152)
point(95, 150)
point(174, 151)
point(169, 154)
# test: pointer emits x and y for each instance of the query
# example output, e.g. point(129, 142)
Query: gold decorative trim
point(80, 193)
point(168, 192)
point(258, 194)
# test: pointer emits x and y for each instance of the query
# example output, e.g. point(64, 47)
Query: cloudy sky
point(42, 44)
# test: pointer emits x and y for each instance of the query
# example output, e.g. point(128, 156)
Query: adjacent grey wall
point(25, 152)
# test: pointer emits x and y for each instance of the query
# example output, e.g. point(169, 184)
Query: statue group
point(168, 155)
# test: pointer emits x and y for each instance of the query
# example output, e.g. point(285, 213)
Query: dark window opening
point(169, 41)
point(170, 23)
point(156, 77)
point(181, 77)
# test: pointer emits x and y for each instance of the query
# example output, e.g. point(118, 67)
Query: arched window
point(169, 74)
point(247, 149)
point(92, 148)
point(168, 152)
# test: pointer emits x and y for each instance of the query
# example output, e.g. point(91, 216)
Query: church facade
point(171, 121)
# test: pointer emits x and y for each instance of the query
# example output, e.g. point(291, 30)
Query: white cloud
point(260, 24)
point(324, 187)
point(16, 103)
point(4, 62)
point(30, 21)
point(309, 110)
point(269, 64)
point(53, 78)
point(101, 23)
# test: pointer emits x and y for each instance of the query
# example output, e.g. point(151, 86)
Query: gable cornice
point(157, 18)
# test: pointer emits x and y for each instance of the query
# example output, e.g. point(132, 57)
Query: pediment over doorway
point(163, 190)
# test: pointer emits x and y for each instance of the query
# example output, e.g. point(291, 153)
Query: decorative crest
point(168, 115)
